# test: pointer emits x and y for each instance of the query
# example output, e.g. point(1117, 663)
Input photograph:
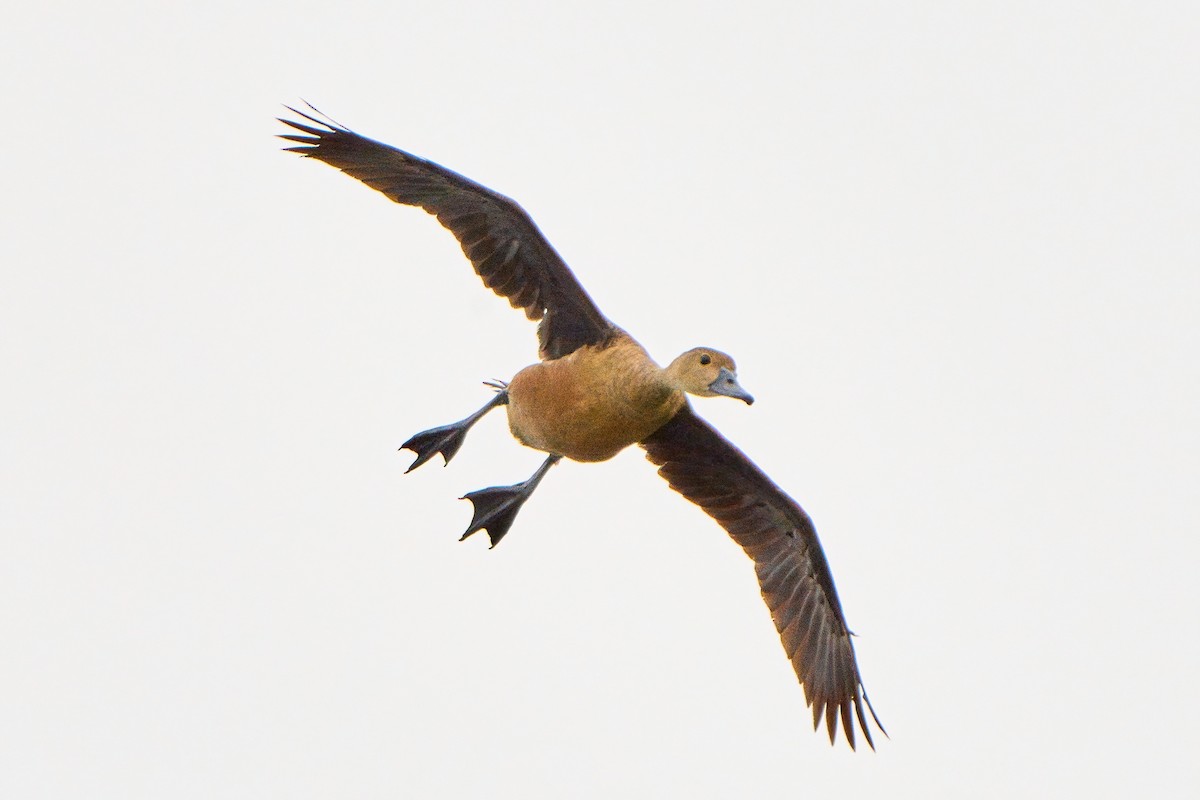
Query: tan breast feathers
point(593, 403)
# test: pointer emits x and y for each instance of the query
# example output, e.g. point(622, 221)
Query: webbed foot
point(447, 439)
point(496, 507)
point(444, 440)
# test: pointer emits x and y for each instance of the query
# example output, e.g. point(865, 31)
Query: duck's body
point(593, 403)
point(597, 391)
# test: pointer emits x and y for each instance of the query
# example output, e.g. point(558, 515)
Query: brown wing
point(501, 240)
point(796, 583)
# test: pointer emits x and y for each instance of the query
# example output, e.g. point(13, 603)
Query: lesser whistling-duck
point(596, 391)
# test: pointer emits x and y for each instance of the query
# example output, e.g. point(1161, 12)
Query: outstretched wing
point(775, 532)
point(507, 250)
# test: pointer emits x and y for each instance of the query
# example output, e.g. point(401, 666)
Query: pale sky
point(952, 246)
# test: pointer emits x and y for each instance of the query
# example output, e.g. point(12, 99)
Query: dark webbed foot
point(426, 444)
point(448, 438)
point(496, 507)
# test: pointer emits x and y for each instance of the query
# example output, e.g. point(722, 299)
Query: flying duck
point(596, 391)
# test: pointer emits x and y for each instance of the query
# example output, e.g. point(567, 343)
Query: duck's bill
point(727, 385)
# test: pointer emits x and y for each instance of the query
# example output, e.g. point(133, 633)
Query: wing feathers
point(507, 250)
point(792, 572)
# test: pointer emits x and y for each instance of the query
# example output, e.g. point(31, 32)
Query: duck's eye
point(706, 359)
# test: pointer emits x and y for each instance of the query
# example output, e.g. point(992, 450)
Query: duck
point(595, 391)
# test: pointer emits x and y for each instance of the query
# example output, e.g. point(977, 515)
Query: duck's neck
point(642, 395)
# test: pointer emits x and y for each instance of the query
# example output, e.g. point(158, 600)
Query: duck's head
point(706, 372)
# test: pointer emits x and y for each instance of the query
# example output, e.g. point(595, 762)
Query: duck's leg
point(497, 506)
point(448, 438)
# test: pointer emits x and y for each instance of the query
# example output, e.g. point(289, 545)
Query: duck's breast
point(591, 404)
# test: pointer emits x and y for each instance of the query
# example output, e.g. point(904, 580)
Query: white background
point(953, 247)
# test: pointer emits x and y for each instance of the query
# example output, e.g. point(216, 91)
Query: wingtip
point(859, 702)
point(831, 717)
point(874, 716)
point(321, 117)
point(830, 712)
